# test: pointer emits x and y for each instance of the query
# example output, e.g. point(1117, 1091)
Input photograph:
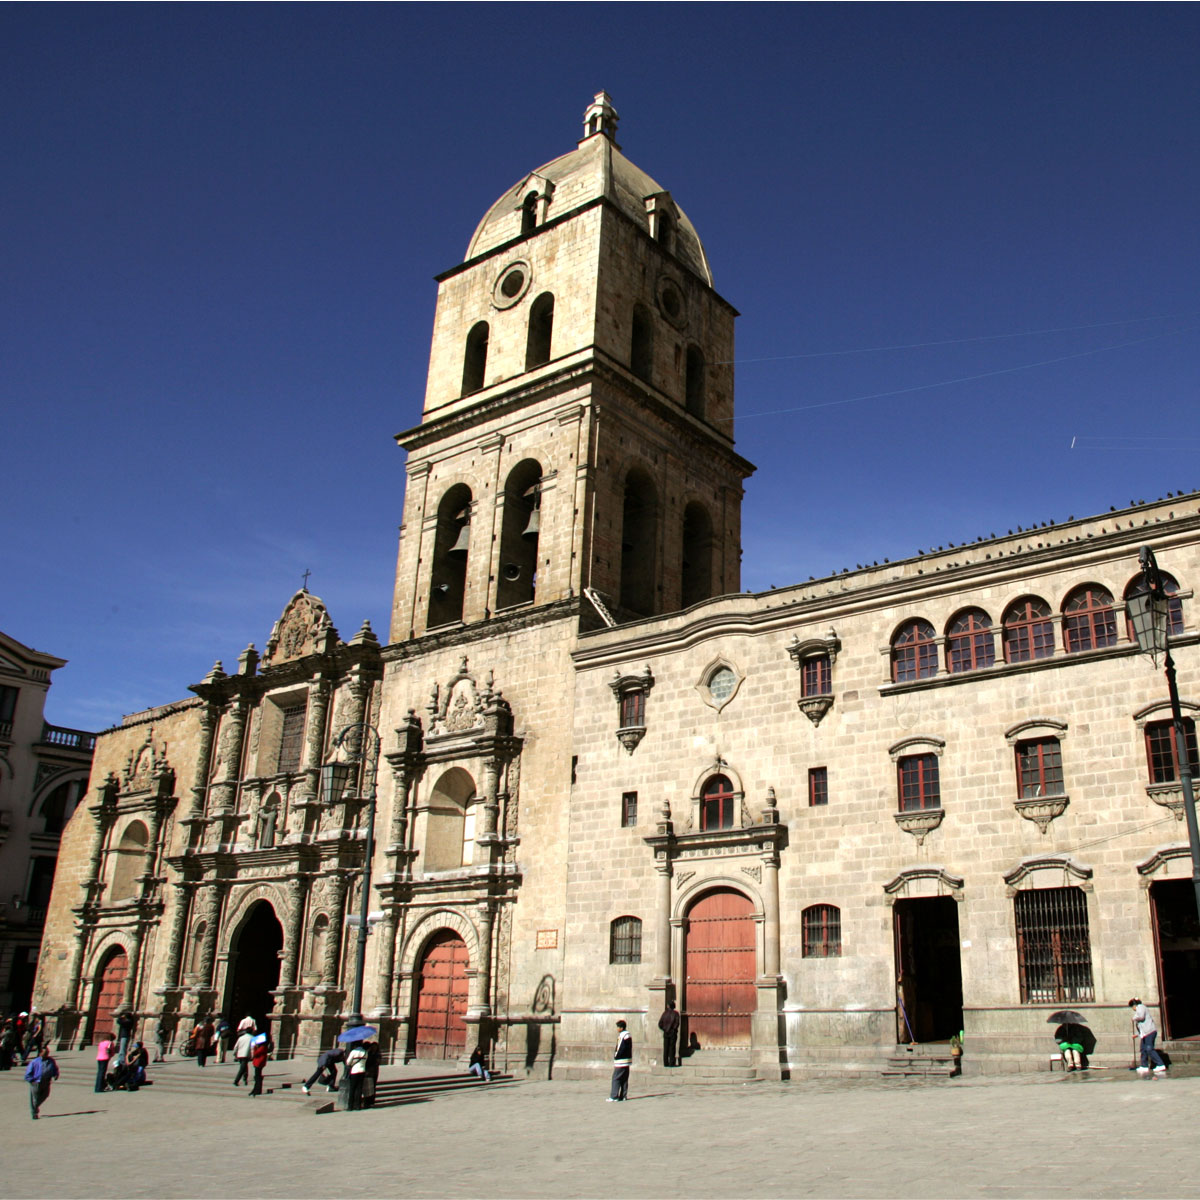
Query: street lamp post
point(336, 776)
point(1149, 611)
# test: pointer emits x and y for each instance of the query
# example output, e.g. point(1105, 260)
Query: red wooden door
point(720, 996)
point(109, 990)
point(442, 998)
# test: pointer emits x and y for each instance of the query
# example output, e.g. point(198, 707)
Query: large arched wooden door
point(719, 997)
point(442, 998)
point(106, 999)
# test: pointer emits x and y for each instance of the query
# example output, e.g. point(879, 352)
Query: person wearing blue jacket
point(39, 1074)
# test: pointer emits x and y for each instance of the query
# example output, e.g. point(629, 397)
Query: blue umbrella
point(360, 1033)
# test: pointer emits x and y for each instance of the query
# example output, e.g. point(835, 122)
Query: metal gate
point(442, 998)
point(110, 987)
point(719, 996)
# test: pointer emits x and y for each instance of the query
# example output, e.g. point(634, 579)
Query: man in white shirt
point(1143, 1023)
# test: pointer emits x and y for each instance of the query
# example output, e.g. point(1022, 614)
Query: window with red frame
point(914, 652)
point(1174, 604)
point(1028, 630)
point(633, 710)
point(628, 810)
point(716, 804)
point(970, 643)
point(816, 678)
point(919, 783)
point(1160, 750)
point(1088, 619)
point(1039, 768)
point(821, 928)
point(818, 786)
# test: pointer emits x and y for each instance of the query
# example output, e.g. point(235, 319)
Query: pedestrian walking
point(105, 1051)
point(259, 1053)
point(356, 1073)
point(243, 1050)
point(34, 1036)
point(669, 1024)
point(222, 1036)
point(327, 1070)
point(39, 1074)
point(1147, 1032)
point(622, 1061)
point(204, 1040)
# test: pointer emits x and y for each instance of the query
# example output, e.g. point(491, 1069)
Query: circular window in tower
point(671, 302)
point(719, 683)
point(511, 284)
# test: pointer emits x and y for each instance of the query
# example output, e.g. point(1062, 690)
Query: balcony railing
point(68, 739)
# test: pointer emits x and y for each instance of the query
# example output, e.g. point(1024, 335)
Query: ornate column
point(486, 833)
point(211, 911)
point(207, 719)
point(770, 892)
point(129, 990)
point(333, 945)
point(297, 893)
point(177, 935)
point(223, 793)
point(479, 1002)
point(104, 811)
point(318, 717)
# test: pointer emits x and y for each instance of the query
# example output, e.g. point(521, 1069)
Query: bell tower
point(578, 420)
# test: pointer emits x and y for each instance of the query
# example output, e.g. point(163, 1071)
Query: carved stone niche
point(631, 692)
point(815, 706)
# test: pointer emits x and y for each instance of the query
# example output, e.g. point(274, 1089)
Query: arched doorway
point(442, 998)
point(254, 966)
point(720, 949)
point(107, 993)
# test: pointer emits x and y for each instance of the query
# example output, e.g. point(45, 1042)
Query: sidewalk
point(1111, 1134)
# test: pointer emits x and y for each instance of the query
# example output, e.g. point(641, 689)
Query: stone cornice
point(480, 631)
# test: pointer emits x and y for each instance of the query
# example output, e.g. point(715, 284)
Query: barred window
point(1028, 630)
point(818, 786)
point(1160, 750)
point(914, 652)
point(1039, 768)
point(633, 710)
point(970, 643)
point(625, 940)
point(919, 786)
point(1088, 619)
point(291, 738)
point(628, 810)
point(1054, 954)
point(716, 804)
point(821, 926)
point(816, 679)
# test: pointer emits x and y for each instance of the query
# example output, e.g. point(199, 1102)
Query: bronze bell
point(463, 544)
point(534, 496)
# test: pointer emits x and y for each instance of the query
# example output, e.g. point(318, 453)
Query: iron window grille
point(1161, 754)
point(628, 810)
point(821, 927)
point(1028, 631)
point(818, 786)
point(1039, 768)
point(914, 652)
point(716, 804)
point(625, 940)
point(1054, 954)
point(1088, 620)
point(970, 643)
point(919, 786)
point(816, 678)
point(291, 739)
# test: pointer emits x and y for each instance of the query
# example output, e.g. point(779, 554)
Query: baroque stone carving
point(920, 823)
point(755, 873)
point(304, 628)
point(1043, 809)
point(815, 707)
point(1169, 795)
point(681, 877)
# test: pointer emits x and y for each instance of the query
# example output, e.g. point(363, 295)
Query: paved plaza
point(1105, 1134)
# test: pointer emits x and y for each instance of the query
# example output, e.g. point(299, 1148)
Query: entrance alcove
point(107, 992)
point(254, 964)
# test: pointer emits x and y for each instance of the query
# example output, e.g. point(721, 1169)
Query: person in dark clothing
point(8, 1045)
point(622, 1061)
point(125, 1026)
point(669, 1024)
point(259, 1054)
point(478, 1064)
point(327, 1065)
point(370, 1074)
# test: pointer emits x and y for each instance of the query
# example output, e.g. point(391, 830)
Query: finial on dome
point(601, 117)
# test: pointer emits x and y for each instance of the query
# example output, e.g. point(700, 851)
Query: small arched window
point(130, 854)
point(316, 945)
point(666, 232)
point(697, 554)
point(475, 358)
point(1088, 619)
point(821, 926)
point(970, 643)
point(541, 331)
point(196, 949)
point(1174, 604)
point(641, 346)
point(1028, 630)
point(625, 940)
point(693, 382)
point(717, 799)
point(639, 540)
point(446, 833)
point(529, 214)
point(914, 652)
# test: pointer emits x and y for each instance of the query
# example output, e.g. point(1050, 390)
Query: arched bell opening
point(639, 538)
point(517, 583)
point(451, 549)
point(697, 572)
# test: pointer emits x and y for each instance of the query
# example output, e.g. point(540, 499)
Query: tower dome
point(595, 170)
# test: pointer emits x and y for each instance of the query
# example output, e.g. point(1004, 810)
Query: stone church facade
point(879, 807)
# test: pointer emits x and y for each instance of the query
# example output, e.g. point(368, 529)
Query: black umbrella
point(1066, 1016)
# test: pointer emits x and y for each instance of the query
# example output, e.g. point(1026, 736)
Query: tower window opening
point(641, 347)
point(529, 214)
point(452, 541)
point(639, 536)
point(541, 330)
point(519, 535)
point(666, 232)
point(693, 382)
point(475, 359)
point(697, 554)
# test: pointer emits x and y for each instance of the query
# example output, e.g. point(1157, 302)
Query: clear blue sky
point(220, 227)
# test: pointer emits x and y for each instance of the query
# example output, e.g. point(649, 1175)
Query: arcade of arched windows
point(1029, 629)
